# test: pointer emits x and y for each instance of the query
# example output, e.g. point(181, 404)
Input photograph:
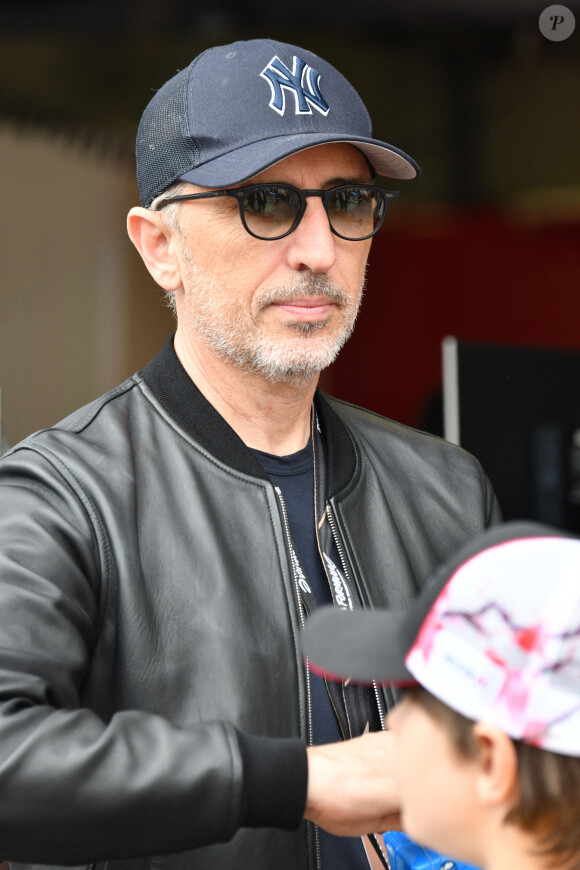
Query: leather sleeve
point(73, 787)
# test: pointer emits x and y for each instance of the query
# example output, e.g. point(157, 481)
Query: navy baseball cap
point(239, 108)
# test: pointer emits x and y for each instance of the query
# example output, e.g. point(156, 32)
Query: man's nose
point(312, 245)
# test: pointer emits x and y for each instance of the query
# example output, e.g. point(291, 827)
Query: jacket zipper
point(286, 525)
point(343, 562)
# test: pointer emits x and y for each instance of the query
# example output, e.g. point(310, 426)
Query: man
point(162, 548)
point(490, 655)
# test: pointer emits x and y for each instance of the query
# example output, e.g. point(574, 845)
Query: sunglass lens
point(270, 210)
point(355, 211)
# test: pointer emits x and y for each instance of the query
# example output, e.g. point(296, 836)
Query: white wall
point(67, 279)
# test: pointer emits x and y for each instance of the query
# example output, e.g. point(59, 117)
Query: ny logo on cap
point(302, 81)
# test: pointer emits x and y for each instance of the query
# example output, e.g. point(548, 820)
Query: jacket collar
point(189, 408)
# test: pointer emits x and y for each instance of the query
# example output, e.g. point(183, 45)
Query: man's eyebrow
point(353, 179)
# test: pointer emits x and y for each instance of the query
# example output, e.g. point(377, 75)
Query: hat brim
point(248, 161)
point(366, 647)
point(372, 645)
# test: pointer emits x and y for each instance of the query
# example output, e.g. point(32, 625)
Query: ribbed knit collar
point(189, 408)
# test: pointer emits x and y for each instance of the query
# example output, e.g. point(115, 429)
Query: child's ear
point(497, 776)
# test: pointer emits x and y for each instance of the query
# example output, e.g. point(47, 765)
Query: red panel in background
point(478, 276)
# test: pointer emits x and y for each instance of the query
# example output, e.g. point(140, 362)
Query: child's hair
point(549, 785)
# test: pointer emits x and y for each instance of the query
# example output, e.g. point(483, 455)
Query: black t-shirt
point(294, 475)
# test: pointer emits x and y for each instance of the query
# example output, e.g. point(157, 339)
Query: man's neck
point(270, 416)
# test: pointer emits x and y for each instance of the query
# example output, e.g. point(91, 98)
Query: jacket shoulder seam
point(83, 499)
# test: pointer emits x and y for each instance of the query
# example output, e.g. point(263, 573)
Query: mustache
point(311, 286)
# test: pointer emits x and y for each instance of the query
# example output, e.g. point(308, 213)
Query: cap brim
point(363, 646)
point(371, 645)
point(246, 162)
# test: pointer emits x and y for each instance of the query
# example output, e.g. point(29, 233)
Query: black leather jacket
point(152, 694)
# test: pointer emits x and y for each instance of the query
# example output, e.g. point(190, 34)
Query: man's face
point(284, 308)
point(436, 786)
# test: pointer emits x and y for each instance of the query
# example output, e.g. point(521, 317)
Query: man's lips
point(306, 308)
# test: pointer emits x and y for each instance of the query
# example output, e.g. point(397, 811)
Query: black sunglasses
point(272, 211)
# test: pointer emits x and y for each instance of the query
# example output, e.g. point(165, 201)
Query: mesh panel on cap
point(164, 148)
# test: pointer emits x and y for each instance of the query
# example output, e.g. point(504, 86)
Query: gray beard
point(239, 339)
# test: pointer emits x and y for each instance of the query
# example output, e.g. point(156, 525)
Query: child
point(487, 735)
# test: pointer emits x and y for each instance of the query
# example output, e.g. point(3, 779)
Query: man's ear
point(156, 244)
point(497, 776)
